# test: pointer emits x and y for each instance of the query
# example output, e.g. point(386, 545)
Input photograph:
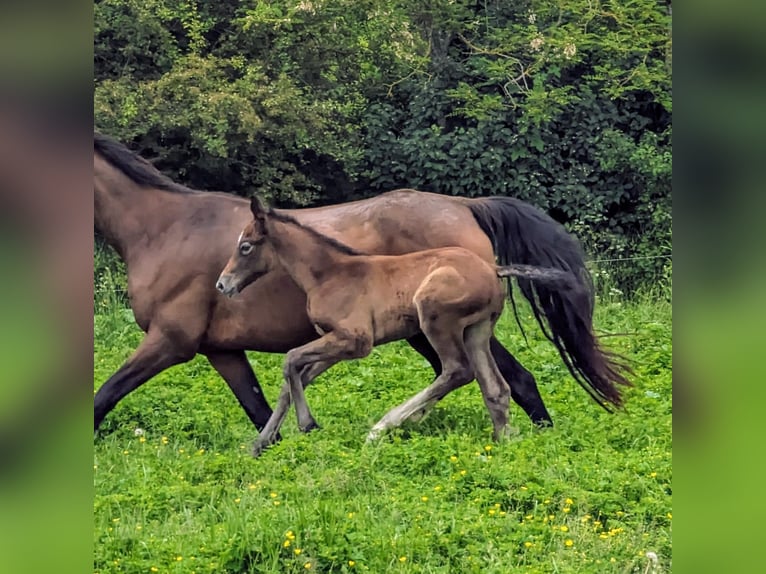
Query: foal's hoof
point(507, 433)
point(373, 435)
point(312, 426)
point(259, 446)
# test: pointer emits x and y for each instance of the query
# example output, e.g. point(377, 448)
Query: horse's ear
point(258, 208)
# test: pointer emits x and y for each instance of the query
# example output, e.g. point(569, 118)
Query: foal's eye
point(245, 248)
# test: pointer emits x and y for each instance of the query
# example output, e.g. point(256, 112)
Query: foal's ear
point(258, 209)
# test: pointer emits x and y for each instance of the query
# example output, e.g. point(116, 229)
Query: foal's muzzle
point(227, 285)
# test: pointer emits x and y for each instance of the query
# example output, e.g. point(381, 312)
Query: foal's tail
point(523, 235)
point(547, 276)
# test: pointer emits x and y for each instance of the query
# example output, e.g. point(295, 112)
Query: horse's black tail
point(524, 235)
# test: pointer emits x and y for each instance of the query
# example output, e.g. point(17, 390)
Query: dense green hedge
point(313, 102)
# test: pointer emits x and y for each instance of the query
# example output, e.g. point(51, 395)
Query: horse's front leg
point(327, 350)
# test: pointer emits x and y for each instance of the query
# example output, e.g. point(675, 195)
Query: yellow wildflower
point(273, 494)
point(154, 569)
point(424, 498)
point(402, 559)
point(307, 565)
point(564, 528)
point(297, 551)
point(568, 542)
point(488, 447)
point(351, 563)
point(528, 544)
point(653, 474)
point(453, 458)
point(290, 535)
point(569, 502)
point(286, 544)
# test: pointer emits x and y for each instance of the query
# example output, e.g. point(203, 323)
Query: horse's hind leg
point(153, 355)
point(494, 390)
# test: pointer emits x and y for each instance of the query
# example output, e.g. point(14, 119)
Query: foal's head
point(253, 257)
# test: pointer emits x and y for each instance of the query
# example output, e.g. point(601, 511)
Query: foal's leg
point(302, 365)
point(524, 390)
point(270, 433)
point(446, 339)
point(494, 390)
point(334, 346)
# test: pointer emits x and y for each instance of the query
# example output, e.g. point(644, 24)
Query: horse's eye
point(245, 248)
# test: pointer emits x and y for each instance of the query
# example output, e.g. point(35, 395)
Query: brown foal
point(357, 301)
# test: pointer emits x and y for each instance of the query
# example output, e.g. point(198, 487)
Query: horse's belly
point(269, 316)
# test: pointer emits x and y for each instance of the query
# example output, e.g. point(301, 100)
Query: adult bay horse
point(357, 301)
point(175, 241)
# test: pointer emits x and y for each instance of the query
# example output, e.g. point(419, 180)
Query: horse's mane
point(329, 241)
point(138, 169)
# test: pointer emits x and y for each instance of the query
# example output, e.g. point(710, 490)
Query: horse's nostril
point(219, 286)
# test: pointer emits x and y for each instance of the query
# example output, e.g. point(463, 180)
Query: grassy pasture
point(176, 490)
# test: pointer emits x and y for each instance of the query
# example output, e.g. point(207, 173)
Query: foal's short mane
point(138, 169)
point(329, 241)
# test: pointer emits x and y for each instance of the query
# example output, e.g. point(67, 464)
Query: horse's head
point(253, 256)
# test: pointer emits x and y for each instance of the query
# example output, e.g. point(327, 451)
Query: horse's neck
point(127, 214)
point(307, 259)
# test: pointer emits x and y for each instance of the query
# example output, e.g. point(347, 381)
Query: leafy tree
point(309, 102)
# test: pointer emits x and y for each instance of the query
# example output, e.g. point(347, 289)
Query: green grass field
point(176, 490)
